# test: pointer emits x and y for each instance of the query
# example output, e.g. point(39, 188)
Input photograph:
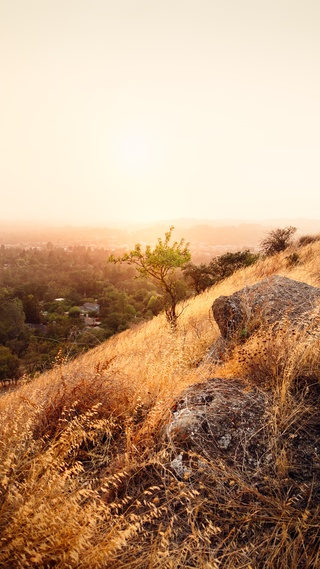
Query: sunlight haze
point(139, 110)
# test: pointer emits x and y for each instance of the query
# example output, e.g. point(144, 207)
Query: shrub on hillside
point(277, 240)
point(307, 240)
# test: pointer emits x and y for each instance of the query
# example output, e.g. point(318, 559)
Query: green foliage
point(32, 309)
point(200, 276)
point(12, 319)
point(203, 276)
point(161, 265)
point(9, 364)
point(277, 240)
point(227, 264)
point(155, 304)
point(159, 262)
point(74, 312)
point(91, 337)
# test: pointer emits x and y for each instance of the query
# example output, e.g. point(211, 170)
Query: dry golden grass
point(85, 483)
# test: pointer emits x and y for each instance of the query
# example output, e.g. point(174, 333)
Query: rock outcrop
point(231, 423)
point(273, 299)
point(221, 418)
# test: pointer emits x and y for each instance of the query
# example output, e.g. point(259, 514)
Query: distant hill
point(214, 233)
point(222, 233)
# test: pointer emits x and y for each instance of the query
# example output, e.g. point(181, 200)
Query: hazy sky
point(141, 110)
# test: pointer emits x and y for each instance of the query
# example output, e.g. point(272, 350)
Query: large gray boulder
point(272, 300)
point(230, 422)
point(221, 419)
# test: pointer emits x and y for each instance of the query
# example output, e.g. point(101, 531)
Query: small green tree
point(204, 276)
point(225, 265)
point(277, 240)
point(161, 264)
point(200, 276)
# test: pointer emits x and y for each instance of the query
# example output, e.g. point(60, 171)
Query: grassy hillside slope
point(85, 483)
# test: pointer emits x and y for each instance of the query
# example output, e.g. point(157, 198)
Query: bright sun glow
point(138, 158)
point(134, 151)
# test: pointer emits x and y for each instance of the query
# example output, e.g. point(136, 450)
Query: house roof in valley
point(89, 307)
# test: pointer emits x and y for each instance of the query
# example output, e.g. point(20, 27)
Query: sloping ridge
point(142, 453)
